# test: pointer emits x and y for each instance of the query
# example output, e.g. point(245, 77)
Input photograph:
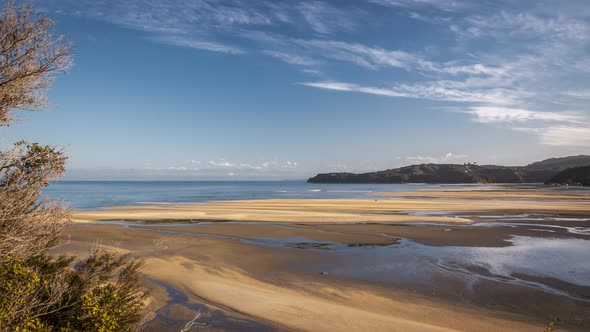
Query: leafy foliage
point(101, 293)
point(28, 225)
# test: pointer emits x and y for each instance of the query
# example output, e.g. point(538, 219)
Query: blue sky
point(237, 89)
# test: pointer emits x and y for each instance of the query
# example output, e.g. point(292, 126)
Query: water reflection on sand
point(529, 261)
point(526, 262)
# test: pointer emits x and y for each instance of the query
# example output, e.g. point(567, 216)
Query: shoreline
point(279, 268)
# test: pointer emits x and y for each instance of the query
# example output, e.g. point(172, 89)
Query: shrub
point(101, 293)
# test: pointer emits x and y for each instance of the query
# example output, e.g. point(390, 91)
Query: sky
point(269, 90)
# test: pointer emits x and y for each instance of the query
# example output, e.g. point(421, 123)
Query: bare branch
point(30, 54)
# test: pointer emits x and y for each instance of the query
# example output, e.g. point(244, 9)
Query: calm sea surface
point(95, 194)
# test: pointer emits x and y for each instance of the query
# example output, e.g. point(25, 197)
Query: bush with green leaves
point(43, 293)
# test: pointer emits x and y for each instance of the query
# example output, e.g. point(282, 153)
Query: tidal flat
point(504, 259)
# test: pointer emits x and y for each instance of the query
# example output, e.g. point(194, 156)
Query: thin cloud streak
point(198, 44)
point(429, 90)
point(486, 114)
point(444, 5)
point(324, 18)
point(560, 135)
point(339, 86)
point(292, 59)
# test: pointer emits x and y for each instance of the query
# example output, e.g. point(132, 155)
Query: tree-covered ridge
point(538, 172)
point(579, 176)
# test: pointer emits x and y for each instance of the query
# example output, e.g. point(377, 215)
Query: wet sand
point(260, 283)
point(306, 274)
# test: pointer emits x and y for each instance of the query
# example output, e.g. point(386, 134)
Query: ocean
point(97, 194)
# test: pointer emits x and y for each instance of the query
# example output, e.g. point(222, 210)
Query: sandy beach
point(370, 210)
point(266, 269)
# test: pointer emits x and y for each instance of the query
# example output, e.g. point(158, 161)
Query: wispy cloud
point(209, 17)
point(428, 90)
point(363, 55)
point(274, 164)
point(339, 86)
point(445, 5)
point(198, 44)
point(292, 59)
point(446, 158)
point(429, 19)
point(221, 164)
point(566, 136)
point(577, 93)
point(561, 135)
point(487, 114)
point(506, 25)
point(324, 18)
point(216, 169)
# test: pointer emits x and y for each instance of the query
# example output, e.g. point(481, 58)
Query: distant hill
point(579, 176)
point(561, 163)
point(542, 171)
point(455, 173)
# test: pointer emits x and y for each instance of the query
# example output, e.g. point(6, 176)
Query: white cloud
point(311, 71)
point(153, 15)
point(222, 168)
point(566, 136)
point(445, 5)
point(474, 69)
point(487, 114)
point(304, 52)
point(578, 93)
point(235, 166)
point(221, 164)
point(292, 59)
point(446, 158)
point(339, 86)
point(429, 19)
point(204, 21)
point(324, 18)
point(460, 92)
point(198, 44)
point(377, 57)
point(364, 56)
point(561, 135)
point(177, 168)
point(428, 90)
point(525, 25)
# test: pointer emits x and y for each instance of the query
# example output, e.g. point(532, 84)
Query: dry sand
point(354, 210)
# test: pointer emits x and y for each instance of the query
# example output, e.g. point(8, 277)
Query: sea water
point(97, 194)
